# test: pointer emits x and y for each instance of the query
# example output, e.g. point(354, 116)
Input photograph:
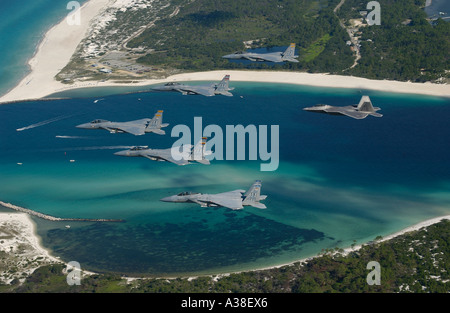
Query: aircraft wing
point(347, 112)
point(230, 203)
point(166, 157)
point(270, 58)
point(231, 199)
point(355, 114)
point(136, 130)
point(204, 91)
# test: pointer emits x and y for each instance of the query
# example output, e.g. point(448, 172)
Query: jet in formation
point(182, 155)
point(221, 88)
point(360, 111)
point(235, 200)
point(137, 128)
point(277, 57)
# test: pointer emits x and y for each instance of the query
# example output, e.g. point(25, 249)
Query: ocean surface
point(339, 180)
point(23, 25)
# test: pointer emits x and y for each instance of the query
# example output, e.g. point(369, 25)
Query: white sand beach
point(61, 41)
point(53, 54)
point(19, 240)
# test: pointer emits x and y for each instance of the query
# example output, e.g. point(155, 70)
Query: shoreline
point(23, 246)
point(348, 250)
point(53, 53)
point(61, 41)
point(23, 92)
point(303, 261)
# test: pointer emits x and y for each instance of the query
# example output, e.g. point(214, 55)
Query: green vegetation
point(405, 46)
point(414, 262)
point(205, 30)
point(315, 49)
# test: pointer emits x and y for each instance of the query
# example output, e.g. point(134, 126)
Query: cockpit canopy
point(139, 148)
point(171, 84)
point(187, 193)
point(98, 121)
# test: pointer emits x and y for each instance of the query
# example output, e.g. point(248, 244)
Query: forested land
point(205, 30)
point(406, 46)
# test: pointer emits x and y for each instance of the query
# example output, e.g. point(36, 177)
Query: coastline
point(61, 41)
point(21, 241)
point(25, 92)
point(348, 250)
point(53, 54)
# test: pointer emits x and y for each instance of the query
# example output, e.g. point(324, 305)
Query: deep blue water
point(338, 180)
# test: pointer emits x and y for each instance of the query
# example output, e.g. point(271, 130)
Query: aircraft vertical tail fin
point(289, 54)
point(365, 105)
point(199, 152)
point(253, 196)
point(155, 124)
point(223, 88)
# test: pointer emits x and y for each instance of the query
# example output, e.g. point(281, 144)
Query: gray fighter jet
point(277, 57)
point(360, 111)
point(137, 128)
point(183, 155)
point(235, 200)
point(221, 88)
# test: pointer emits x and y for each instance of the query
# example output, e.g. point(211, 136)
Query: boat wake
point(71, 137)
point(98, 148)
point(52, 120)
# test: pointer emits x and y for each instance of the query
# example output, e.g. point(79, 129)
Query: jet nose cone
point(122, 153)
point(166, 199)
point(86, 125)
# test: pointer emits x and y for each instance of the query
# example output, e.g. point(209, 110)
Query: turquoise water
point(23, 24)
point(339, 179)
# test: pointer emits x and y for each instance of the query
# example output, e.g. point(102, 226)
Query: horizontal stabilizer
point(157, 131)
point(257, 205)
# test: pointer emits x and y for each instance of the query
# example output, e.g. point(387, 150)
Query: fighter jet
point(137, 128)
point(235, 200)
point(182, 155)
point(360, 111)
point(277, 57)
point(221, 88)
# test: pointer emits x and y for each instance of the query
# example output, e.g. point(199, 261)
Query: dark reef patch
point(169, 248)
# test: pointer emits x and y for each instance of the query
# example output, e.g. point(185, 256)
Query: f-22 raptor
point(221, 88)
point(360, 111)
point(277, 57)
point(183, 155)
point(137, 128)
point(234, 200)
